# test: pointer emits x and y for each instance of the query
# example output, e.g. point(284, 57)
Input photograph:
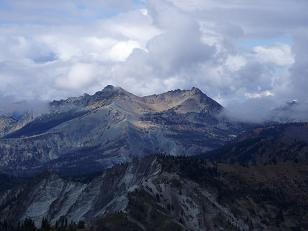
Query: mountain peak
point(106, 93)
point(196, 90)
point(110, 88)
point(113, 89)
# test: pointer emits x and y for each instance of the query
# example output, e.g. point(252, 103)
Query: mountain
point(168, 193)
point(93, 132)
point(6, 124)
point(292, 111)
point(257, 181)
point(13, 121)
point(279, 143)
point(8, 181)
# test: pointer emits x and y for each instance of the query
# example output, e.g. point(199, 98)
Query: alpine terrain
point(93, 132)
point(117, 161)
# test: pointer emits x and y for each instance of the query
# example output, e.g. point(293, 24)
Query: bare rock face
point(166, 193)
point(93, 132)
point(125, 188)
point(6, 124)
point(11, 123)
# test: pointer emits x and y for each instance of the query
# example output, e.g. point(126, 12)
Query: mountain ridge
point(111, 93)
point(278, 143)
point(112, 126)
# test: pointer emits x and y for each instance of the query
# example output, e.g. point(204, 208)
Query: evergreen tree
point(28, 225)
point(45, 225)
point(81, 225)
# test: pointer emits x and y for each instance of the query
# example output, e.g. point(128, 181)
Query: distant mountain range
point(272, 144)
point(93, 132)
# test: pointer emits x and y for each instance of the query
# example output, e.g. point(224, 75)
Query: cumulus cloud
point(244, 54)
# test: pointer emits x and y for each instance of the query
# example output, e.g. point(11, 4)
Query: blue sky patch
point(250, 43)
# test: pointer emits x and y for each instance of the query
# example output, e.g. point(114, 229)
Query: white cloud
point(55, 49)
point(279, 54)
point(144, 12)
point(235, 63)
point(80, 76)
point(259, 94)
point(121, 50)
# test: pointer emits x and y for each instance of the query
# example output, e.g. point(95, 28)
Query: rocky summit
point(93, 132)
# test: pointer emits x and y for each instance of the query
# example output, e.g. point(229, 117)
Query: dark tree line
point(28, 225)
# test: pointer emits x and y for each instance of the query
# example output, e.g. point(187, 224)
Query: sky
point(251, 56)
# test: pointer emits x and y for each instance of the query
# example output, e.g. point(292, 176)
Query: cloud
point(233, 50)
point(10, 106)
point(78, 77)
point(279, 54)
point(121, 50)
point(299, 71)
point(58, 12)
point(235, 63)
